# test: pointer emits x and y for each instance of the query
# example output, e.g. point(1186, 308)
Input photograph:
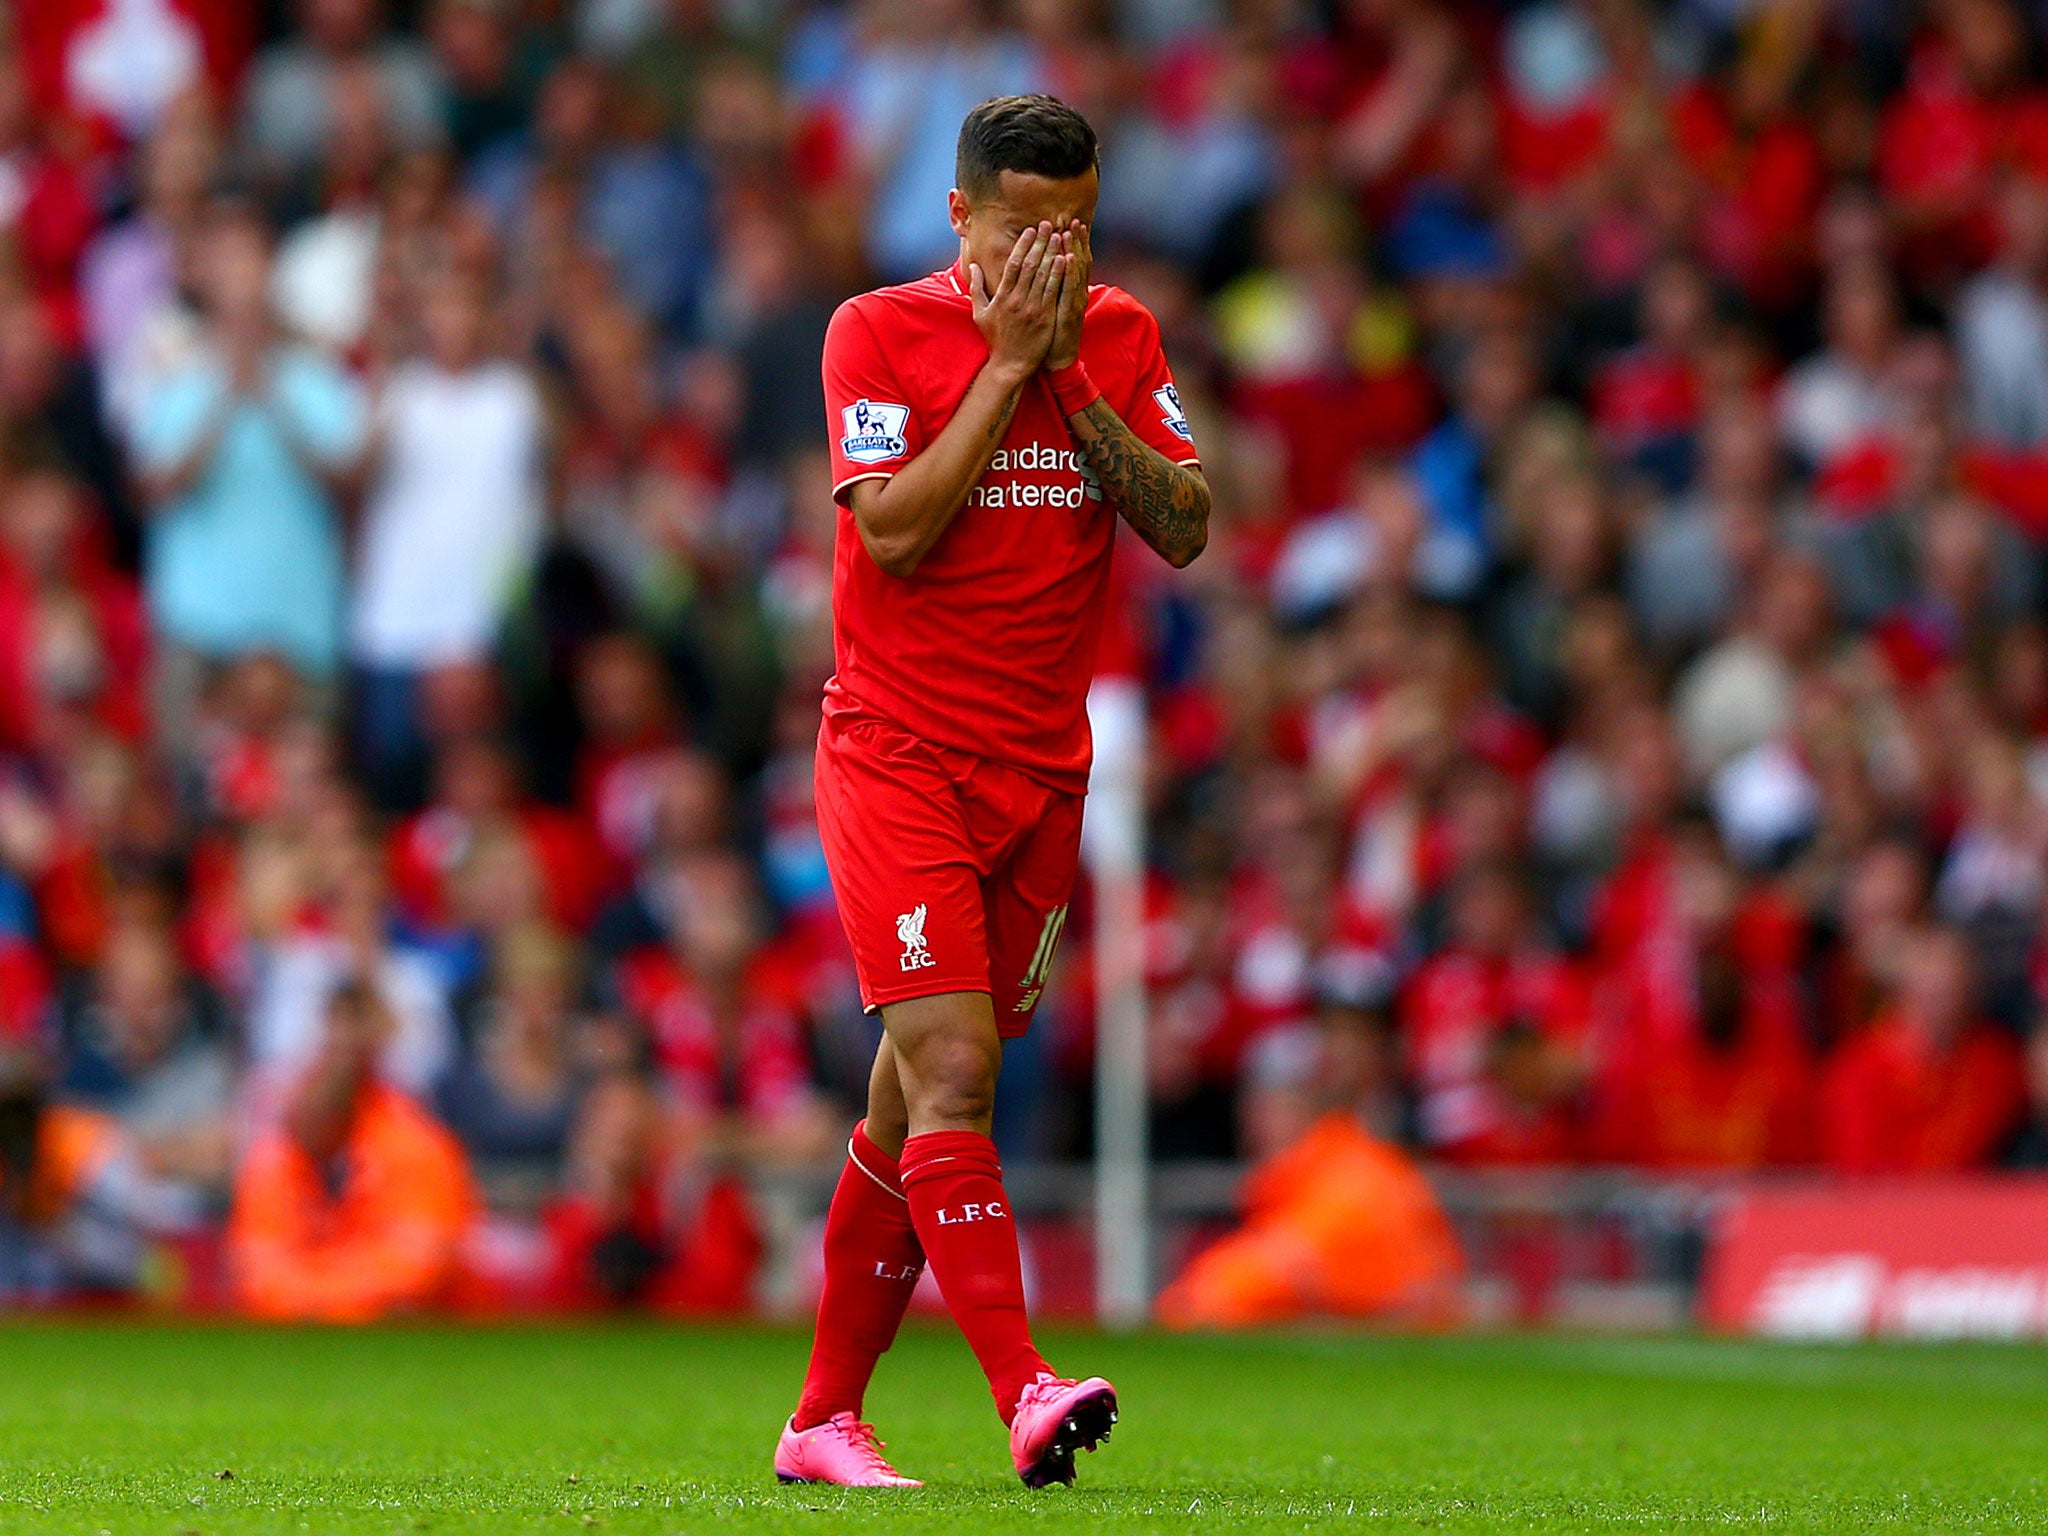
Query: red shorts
point(952, 872)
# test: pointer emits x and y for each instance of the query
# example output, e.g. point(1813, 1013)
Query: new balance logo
point(917, 954)
point(994, 1210)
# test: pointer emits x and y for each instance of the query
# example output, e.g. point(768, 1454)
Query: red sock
point(872, 1261)
point(955, 1185)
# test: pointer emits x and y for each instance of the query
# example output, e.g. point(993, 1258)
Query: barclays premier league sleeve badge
point(1170, 410)
point(874, 431)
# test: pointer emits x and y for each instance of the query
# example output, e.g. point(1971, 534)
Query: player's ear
point(956, 210)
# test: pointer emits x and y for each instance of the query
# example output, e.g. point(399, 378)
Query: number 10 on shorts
point(1041, 959)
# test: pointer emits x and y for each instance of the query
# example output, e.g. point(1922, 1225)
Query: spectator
point(629, 449)
point(1882, 901)
point(478, 796)
point(726, 1028)
point(637, 199)
point(143, 1044)
point(914, 74)
point(1493, 385)
point(1495, 1029)
point(1697, 556)
point(1838, 399)
point(1571, 556)
point(355, 1205)
point(49, 411)
point(510, 1095)
point(2002, 327)
point(633, 742)
point(132, 271)
point(117, 73)
point(1950, 125)
point(1337, 1221)
point(50, 214)
point(243, 448)
point(324, 279)
point(1647, 398)
point(451, 523)
point(1200, 145)
point(485, 77)
point(288, 103)
point(77, 1205)
point(617, 1234)
point(352, 944)
point(1991, 884)
point(1706, 1063)
point(679, 812)
point(1929, 1086)
point(678, 44)
point(73, 640)
point(1739, 695)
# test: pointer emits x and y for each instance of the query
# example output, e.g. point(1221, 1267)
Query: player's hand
point(1065, 350)
point(1017, 319)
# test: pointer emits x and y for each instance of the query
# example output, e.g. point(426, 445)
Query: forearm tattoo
point(1001, 424)
point(1168, 504)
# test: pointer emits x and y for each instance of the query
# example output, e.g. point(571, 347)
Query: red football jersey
point(989, 646)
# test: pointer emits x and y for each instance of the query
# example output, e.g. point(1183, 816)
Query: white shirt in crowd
point(2001, 328)
point(288, 1015)
point(1827, 406)
point(453, 518)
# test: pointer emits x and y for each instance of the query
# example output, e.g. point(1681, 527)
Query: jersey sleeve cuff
point(840, 489)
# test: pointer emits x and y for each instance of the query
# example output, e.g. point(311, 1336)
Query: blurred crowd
point(1610, 722)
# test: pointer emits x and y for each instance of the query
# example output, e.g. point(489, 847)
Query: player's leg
point(1025, 914)
point(872, 1262)
point(888, 1120)
point(948, 1053)
point(872, 1258)
point(900, 860)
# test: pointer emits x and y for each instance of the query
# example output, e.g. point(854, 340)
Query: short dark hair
point(1032, 135)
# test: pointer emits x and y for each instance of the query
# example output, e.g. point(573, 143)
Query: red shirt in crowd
point(755, 1064)
point(1456, 1008)
point(989, 646)
point(1943, 145)
point(617, 790)
point(112, 604)
point(1644, 395)
point(1668, 1096)
point(24, 988)
point(702, 1264)
point(1764, 182)
point(1891, 1103)
point(428, 848)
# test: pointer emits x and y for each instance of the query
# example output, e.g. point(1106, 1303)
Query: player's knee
point(956, 1085)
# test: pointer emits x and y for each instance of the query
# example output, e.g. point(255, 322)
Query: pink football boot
point(841, 1450)
point(1054, 1419)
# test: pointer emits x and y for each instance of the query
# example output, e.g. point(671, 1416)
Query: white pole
point(1113, 842)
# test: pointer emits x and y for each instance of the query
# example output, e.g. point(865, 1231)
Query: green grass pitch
point(119, 1428)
